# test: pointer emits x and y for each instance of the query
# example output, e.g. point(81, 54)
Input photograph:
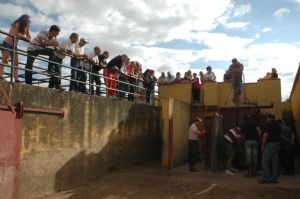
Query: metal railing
point(139, 91)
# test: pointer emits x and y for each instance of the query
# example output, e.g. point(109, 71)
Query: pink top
point(196, 83)
point(130, 69)
point(14, 30)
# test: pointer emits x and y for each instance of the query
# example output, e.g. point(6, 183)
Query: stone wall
point(97, 134)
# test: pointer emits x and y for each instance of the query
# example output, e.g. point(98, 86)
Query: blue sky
point(177, 35)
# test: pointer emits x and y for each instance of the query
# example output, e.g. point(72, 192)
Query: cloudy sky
point(177, 35)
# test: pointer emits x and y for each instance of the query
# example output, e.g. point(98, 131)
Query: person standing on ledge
point(209, 76)
point(236, 72)
point(196, 130)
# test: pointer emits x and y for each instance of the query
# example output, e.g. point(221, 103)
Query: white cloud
point(236, 25)
point(242, 10)
point(131, 26)
point(280, 12)
point(267, 29)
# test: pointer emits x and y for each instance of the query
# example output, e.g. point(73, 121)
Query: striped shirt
point(233, 135)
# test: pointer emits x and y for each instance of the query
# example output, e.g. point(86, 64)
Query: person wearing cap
point(91, 59)
point(209, 75)
point(38, 47)
point(66, 47)
point(75, 62)
point(196, 130)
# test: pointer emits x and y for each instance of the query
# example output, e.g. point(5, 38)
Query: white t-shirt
point(210, 76)
point(91, 56)
point(170, 79)
point(78, 50)
point(43, 35)
point(65, 45)
point(193, 132)
point(162, 80)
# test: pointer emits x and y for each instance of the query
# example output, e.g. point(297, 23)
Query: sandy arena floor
point(143, 182)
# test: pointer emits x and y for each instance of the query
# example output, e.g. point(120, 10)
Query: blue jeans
point(251, 148)
point(270, 155)
point(228, 148)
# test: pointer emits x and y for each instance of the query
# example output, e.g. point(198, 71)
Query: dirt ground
point(150, 181)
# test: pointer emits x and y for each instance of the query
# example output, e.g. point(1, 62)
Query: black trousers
point(123, 86)
point(287, 158)
point(55, 81)
point(74, 64)
point(30, 60)
point(132, 89)
point(81, 76)
point(193, 153)
point(196, 94)
point(97, 80)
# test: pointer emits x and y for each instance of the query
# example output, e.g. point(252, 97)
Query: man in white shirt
point(170, 78)
point(38, 47)
point(92, 58)
point(209, 76)
point(65, 47)
point(196, 130)
point(75, 62)
point(162, 78)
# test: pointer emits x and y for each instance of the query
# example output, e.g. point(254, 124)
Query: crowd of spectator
point(124, 79)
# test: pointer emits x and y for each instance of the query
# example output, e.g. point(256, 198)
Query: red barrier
point(10, 142)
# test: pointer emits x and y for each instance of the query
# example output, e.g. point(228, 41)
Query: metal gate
point(10, 143)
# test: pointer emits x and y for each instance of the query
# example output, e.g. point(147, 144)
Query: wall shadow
point(135, 140)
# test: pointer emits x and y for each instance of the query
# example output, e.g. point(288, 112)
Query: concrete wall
point(180, 112)
point(97, 134)
point(295, 105)
point(262, 93)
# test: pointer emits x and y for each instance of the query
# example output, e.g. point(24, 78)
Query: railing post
point(13, 59)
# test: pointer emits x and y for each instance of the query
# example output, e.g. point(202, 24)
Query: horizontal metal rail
point(21, 52)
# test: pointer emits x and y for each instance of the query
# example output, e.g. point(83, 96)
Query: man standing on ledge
point(236, 72)
point(196, 130)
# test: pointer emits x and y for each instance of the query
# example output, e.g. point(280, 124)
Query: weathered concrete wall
point(180, 114)
point(97, 134)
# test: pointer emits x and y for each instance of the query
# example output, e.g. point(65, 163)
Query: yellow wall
point(262, 93)
point(180, 112)
point(295, 104)
point(181, 92)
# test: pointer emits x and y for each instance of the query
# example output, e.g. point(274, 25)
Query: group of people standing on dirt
point(271, 149)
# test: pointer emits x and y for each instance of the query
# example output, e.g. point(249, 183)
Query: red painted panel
point(10, 140)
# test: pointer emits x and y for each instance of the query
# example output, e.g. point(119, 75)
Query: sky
point(178, 35)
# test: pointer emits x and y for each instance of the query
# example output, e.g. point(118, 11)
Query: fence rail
point(43, 78)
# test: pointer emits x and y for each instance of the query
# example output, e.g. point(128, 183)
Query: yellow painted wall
point(295, 104)
point(264, 92)
point(181, 123)
point(181, 92)
point(180, 112)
